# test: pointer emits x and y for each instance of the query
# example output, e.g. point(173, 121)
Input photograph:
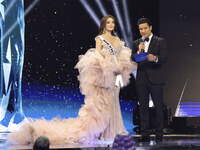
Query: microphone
point(143, 40)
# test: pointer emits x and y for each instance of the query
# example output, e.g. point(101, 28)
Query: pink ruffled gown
point(100, 117)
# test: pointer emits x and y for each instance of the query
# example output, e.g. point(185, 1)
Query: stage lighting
point(119, 18)
point(127, 23)
point(125, 30)
point(89, 9)
point(178, 105)
point(102, 9)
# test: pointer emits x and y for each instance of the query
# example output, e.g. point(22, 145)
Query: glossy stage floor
point(51, 101)
point(171, 142)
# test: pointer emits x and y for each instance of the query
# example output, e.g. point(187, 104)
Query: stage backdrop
point(56, 33)
point(179, 25)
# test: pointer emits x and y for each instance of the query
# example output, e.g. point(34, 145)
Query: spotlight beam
point(102, 9)
point(178, 105)
point(127, 22)
point(119, 18)
point(25, 13)
point(9, 7)
point(30, 7)
point(90, 11)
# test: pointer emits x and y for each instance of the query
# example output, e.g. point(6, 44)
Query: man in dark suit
point(149, 78)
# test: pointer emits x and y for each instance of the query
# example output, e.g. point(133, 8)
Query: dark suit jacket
point(153, 71)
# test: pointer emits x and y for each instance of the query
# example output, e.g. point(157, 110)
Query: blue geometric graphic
point(12, 56)
point(189, 109)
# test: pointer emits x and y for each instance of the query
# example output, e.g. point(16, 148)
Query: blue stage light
point(102, 9)
point(91, 12)
point(119, 18)
point(125, 33)
point(30, 7)
point(127, 23)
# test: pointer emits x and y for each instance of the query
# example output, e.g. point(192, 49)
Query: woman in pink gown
point(102, 71)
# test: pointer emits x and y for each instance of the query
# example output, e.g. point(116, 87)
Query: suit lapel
point(151, 45)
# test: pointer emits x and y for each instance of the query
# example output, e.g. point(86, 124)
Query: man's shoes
point(159, 138)
point(144, 139)
point(159, 135)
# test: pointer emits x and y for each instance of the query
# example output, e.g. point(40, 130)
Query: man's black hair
point(144, 20)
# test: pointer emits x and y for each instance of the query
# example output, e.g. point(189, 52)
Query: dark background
point(58, 31)
point(179, 25)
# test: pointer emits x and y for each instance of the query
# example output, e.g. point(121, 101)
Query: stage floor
point(171, 141)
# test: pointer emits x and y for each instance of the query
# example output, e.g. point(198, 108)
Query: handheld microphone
point(143, 40)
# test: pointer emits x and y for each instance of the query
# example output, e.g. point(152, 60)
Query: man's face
point(145, 30)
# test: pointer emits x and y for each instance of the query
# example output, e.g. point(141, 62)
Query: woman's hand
point(118, 71)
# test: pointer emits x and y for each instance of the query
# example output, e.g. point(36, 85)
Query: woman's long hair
point(103, 24)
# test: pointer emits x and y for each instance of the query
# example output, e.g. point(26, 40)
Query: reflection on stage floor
point(171, 141)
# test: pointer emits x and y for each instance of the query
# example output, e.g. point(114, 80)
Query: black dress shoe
point(159, 138)
point(159, 135)
point(144, 139)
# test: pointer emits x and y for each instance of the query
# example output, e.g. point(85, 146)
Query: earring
point(113, 32)
point(104, 30)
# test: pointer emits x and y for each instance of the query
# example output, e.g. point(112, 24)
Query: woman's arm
point(98, 44)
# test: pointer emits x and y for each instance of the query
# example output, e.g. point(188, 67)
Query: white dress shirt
point(146, 44)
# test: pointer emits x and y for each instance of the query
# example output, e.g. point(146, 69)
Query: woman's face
point(110, 24)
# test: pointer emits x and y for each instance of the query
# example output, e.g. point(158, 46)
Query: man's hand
point(151, 57)
point(140, 47)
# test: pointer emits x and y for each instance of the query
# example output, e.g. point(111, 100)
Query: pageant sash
point(119, 81)
point(111, 49)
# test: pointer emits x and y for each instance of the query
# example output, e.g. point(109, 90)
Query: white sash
point(119, 81)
